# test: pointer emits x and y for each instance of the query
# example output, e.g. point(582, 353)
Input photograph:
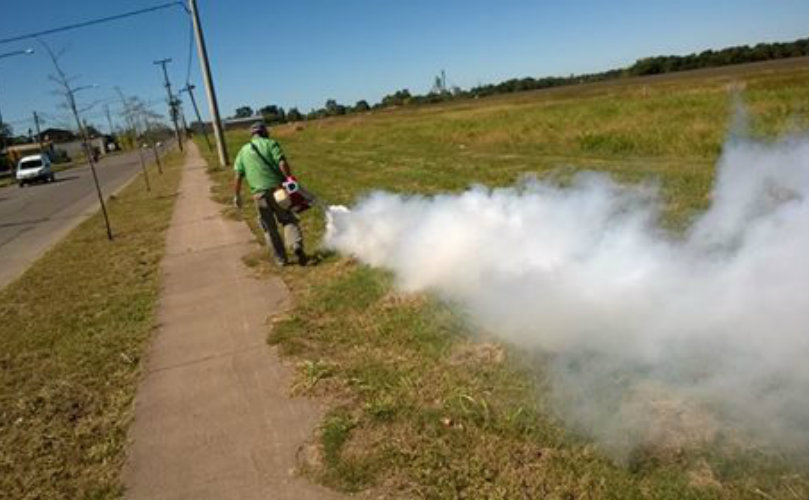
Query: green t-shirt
point(260, 176)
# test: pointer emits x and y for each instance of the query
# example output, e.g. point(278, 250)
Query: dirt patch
point(702, 476)
point(673, 424)
point(310, 457)
point(477, 352)
point(395, 299)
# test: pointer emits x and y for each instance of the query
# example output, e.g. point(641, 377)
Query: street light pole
point(39, 132)
point(109, 118)
point(202, 52)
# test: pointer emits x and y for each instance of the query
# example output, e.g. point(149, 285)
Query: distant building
point(75, 149)
point(239, 123)
point(57, 135)
point(70, 143)
point(14, 153)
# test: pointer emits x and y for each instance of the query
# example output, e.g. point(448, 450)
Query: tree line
point(274, 114)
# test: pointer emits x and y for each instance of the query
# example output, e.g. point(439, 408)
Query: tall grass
point(421, 407)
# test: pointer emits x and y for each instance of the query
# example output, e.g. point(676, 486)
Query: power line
point(48, 117)
point(93, 21)
point(21, 120)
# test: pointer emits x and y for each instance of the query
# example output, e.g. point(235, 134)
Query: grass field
point(421, 407)
point(72, 330)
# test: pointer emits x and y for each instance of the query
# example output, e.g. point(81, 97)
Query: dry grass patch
point(73, 328)
point(423, 407)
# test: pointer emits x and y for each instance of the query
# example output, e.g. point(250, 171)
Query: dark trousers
point(270, 215)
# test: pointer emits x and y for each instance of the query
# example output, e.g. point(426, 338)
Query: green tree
point(398, 98)
point(243, 112)
point(293, 115)
point(334, 109)
point(361, 106)
point(316, 113)
point(273, 114)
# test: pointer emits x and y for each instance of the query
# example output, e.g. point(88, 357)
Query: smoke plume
point(635, 320)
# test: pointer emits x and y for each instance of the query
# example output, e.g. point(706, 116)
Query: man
point(263, 164)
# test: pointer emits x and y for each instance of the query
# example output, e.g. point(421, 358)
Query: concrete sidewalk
point(212, 415)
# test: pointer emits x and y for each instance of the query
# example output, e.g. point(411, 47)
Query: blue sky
point(302, 52)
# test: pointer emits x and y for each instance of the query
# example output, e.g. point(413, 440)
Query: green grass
point(421, 406)
point(73, 328)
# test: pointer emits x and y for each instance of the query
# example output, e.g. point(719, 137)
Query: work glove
point(237, 201)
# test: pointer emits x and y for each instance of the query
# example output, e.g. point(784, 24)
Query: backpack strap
point(263, 158)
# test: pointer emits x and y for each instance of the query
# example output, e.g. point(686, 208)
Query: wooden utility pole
point(109, 118)
point(202, 52)
point(172, 101)
point(130, 122)
point(190, 89)
point(182, 117)
point(39, 133)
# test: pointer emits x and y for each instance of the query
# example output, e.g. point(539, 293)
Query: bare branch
point(90, 106)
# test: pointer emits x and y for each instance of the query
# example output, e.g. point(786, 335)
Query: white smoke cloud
point(631, 315)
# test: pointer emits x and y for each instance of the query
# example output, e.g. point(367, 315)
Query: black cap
point(258, 128)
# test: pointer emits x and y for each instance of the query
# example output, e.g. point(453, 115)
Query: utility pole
point(128, 118)
point(2, 135)
point(39, 133)
point(109, 119)
point(172, 101)
point(130, 122)
point(182, 117)
point(190, 89)
point(202, 53)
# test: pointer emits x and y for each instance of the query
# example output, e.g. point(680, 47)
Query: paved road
point(35, 217)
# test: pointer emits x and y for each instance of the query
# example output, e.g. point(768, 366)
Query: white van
point(34, 168)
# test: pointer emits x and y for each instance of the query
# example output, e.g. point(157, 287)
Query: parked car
point(34, 168)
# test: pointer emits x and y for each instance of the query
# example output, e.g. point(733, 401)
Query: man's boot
point(302, 257)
